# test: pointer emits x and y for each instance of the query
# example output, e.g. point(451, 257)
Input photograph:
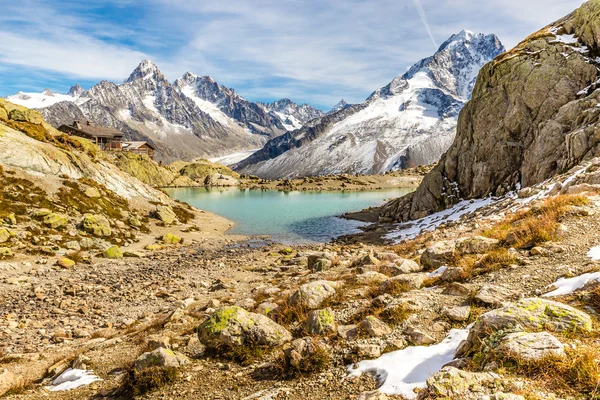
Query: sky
point(311, 51)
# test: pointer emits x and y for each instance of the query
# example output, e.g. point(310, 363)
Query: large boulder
point(233, 326)
point(96, 225)
point(526, 315)
point(453, 383)
point(400, 266)
point(476, 245)
point(311, 295)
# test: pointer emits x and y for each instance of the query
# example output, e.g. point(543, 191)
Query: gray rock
point(299, 350)
point(8, 381)
point(438, 254)
point(458, 313)
point(407, 281)
point(401, 266)
point(457, 289)
point(347, 332)
point(320, 322)
point(369, 351)
point(160, 357)
point(371, 277)
point(374, 327)
point(418, 338)
point(313, 294)
point(531, 346)
point(233, 326)
point(493, 295)
point(453, 383)
point(476, 245)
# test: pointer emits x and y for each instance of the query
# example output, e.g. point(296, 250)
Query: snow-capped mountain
point(411, 121)
point(226, 106)
point(342, 104)
point(291, 114)
point(190, 118)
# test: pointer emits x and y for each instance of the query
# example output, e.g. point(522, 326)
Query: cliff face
point(534, 113)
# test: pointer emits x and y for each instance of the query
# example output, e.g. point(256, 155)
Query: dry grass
point(287, 313)
point(149, 379)
point(395, 315)
point(540, 224)
point(577, 373)
point(317, 362)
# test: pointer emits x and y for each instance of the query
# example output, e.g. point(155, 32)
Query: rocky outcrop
point(533, 114)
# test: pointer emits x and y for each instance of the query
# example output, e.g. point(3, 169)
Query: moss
point(169, 238)
point(113, 252)
point(220, 319)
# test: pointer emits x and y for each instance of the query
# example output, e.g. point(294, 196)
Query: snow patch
point(233, 158)
point(594, 253)
point(400, 372)
point(438, 272)
point(39, 100)
point(566, 286)
point(73, 379)
point(206, 106)
point(413, 229)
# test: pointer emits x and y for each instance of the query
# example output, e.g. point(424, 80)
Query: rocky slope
point(61, 194)
point(534, 113)
point(409, 122)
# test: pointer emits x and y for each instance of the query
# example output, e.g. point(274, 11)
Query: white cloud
point(307, 50)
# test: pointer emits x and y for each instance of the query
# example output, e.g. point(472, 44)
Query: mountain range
point(411, 121)
point(189, 118)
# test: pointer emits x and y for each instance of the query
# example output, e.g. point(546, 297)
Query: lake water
point(288, 217)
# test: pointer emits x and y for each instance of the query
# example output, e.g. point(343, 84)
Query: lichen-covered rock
point(96, 225)
point(55, 221)
point(438, 254)
point(233, 326)
point(530, 346)
point(113, 252)
point(5, 252)
point(169, 238)
point(476, 245)
point(527, 315)
point(311, 295)
point(453, 383)
point(92, 193)
point(161, 357)
point(4, 235)
point(320, 322)
point(374, 327)
point(65, 262)
point(166, 215)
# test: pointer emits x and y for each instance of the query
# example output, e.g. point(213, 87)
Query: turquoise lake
point(288, 217)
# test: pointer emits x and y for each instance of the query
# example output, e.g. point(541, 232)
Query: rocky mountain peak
point(47, 92)
point(340, 105)
point(76, 90)
point(146, 70)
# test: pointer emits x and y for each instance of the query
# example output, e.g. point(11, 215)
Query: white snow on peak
point(206, 106)
point(40, 100)
point(401, 372)
point(73, 379)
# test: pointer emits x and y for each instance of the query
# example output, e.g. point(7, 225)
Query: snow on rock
point(400, 372)
point(73, 379)
point(438, 272)
point(566, 286)
point(413, 229)
point(40, 100)
point(594, 253)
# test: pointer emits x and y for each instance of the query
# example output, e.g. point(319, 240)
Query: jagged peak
point(76, 90)
point(145, 70)
point(48, 92)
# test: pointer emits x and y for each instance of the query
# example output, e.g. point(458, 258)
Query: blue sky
point(313, 51)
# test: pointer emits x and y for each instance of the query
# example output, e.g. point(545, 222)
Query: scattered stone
point(538, 251)
point(347, 332)
point(418, 338)
point(369, 351)
point(313, 294)
point(493, 295)
point(531, 346)
point(438, 254)
point(476, 245)
point(8, 381)
point(166, 215)
point(113, 252)
point(371, 277)
point(401, 266)
point(403, 283)
point(320, 322)
point(169, 238)
point(233, 326)
point(458, 313)
point(374, 327)
point(265, 308)
point(92, 193)
point(457, 289)
point(453, 383)
point(55, 221)
point(4, 235)
point(154, 342)
point(65, 263)
point(96, 225)
point(160, 357)
point(366, 260)
point(452, 274)
point(132, 254)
